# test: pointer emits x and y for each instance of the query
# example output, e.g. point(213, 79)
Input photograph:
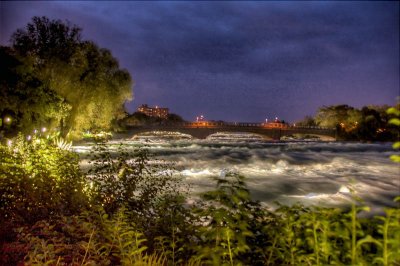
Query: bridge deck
point(203, 129)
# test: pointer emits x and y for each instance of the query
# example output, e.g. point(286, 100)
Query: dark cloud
point(240, 61)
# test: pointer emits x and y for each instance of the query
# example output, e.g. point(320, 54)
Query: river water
point(310, 172)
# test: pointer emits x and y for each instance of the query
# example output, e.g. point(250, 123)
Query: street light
point(5, 121)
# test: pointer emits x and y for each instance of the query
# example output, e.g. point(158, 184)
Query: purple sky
point(239, 61)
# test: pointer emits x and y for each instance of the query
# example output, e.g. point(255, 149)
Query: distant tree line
point(141, 119)
point(52, 78)
point(367, 123)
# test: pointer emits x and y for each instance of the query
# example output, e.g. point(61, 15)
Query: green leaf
point(394, 121)
point(395, 158)
point(396, 145)
point(368, 239)
point(393, 111)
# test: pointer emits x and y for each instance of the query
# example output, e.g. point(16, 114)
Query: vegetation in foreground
point(131, 210)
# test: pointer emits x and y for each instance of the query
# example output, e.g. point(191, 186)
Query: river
point(310, 172)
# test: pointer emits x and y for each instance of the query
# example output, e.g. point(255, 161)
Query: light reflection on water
point(320, 173)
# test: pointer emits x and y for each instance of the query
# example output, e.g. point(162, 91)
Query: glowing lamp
point(5, 120)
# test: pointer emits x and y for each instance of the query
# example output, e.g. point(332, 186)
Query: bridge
point(203, 129)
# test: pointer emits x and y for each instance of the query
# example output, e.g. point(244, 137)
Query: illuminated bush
point(39, 180)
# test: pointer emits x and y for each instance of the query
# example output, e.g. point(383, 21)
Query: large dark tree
point(86, 78)
point(332, 116)
point(29, 102)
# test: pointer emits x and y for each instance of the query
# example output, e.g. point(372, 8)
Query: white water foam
point(309, 172)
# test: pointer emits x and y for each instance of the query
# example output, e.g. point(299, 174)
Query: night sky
point(239, 61)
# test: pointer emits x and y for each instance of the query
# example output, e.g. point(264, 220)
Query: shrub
point(39, 180)
point(147, 188)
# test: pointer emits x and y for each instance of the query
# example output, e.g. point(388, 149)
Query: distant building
point(153, 111)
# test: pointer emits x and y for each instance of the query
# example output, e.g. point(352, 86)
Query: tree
point(371, 124)
point(29, 102)
point(367, 123)
point(307, 121)
point(175, 118)
point(86, 77)
point(332, 116)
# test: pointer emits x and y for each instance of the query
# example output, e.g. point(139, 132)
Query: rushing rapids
point(307, 171)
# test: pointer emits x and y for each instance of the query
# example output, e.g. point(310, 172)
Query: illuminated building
point(153, 111)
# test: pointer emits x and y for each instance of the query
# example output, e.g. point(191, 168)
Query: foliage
point(308, 121)
point(147, 188)
point(38, 180)
point(227, 216)
point(61, 80)
point(141, 119)
point(368, 123)
point(90, 239)
point(175, 118)
point(120, 177)
point(330, 116)
point(25, 98)
point(395, 112)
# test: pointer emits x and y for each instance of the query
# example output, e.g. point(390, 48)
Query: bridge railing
point(242, 124)
point(215, 124)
